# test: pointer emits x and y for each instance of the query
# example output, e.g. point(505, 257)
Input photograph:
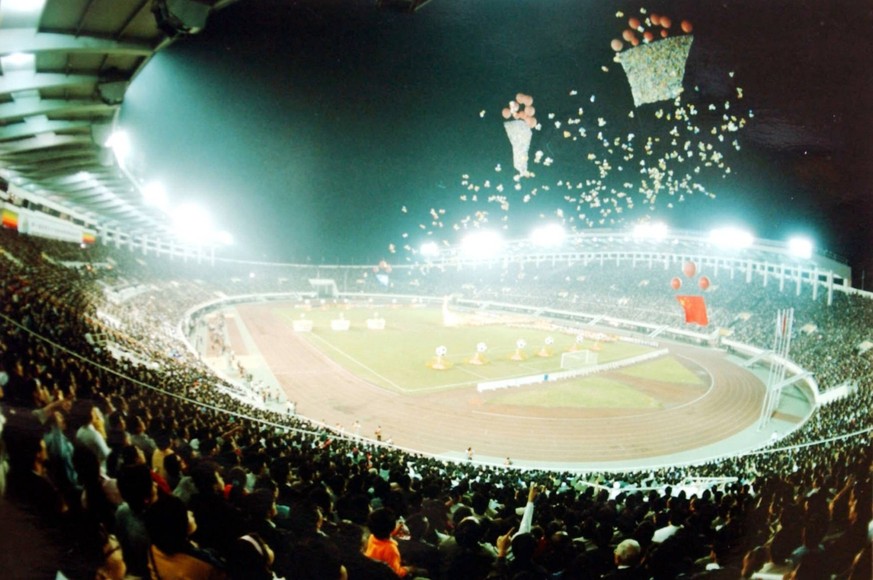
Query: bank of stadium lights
point(651, 231)
point(548, 236)
point(429, 250)
point(192, 224)
point(481, 244)
point(800, 247)
point(730, 237)
point(154, 194)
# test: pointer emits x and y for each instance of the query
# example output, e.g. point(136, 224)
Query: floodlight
point(154, 194)
point(119, 142)
point(429, 250)
point(224, 238)
point(651, 231)
point(481, 244)
point(731, 237)
point(192, 223)
point(548, 236)
point(23, 5)
point(800, 246)
point(18, 61)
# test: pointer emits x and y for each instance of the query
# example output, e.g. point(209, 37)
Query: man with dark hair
point(172, 555)
point(415, 550)
point(220, 524)
point(138, 490)
point(350, 540)
point(380, 545)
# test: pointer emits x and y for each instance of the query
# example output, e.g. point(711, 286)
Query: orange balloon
point(686, 26)
point(635, 41)
point(506, 113)
point(656, 20)
point(703, 282)
point(666, 22)
point(664, 33)
point(616, 44)
point(633, 23)
point(676, 283)
point(648, 36)
point(520, 97)
point(530, 111)
point(628, 35)
point(689, 269)
point(531, 122)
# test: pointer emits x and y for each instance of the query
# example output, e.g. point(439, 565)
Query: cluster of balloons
point(647, 30)
point(522, 109)
point(690, 269)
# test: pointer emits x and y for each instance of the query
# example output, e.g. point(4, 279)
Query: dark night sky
point(306, 126)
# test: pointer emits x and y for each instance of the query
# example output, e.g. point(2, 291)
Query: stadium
point(596, 400)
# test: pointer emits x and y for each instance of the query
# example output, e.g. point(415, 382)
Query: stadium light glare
point(800, 247)
point(154, 194)
point(119, 142)
point(24, 5)
point(481, 244)
point(731, 237)
point(192, 224)
point(651, 231)
point(18, 61)
point(548, 236)
point(224, 238)
point(429, 250)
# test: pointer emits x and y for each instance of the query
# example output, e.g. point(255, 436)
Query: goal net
point(578, 359)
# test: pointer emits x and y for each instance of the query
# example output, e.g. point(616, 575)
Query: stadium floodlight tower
point(731, 238)
point(656, 231)
point(800, 247)
point(482, 245)
point(548, 236)
point(429, 250)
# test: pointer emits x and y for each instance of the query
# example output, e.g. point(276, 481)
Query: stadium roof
point(66, 65)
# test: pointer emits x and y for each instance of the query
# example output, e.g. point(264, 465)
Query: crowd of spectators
point(145, 466)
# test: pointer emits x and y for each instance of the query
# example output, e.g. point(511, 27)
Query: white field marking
point(360, 364)
point(691, 402)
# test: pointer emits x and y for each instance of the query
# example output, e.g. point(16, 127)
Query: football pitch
point(401, 357)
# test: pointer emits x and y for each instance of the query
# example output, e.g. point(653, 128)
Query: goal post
point(578, 359)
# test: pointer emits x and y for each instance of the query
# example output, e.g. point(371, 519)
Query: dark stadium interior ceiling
point(66, 67)
point(336, 72)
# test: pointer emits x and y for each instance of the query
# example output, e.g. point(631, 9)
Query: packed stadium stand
point(125, 455)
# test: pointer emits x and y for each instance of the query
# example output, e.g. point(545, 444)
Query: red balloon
point(664, 33)
point(686, 26)
point(648, 36)
point(616, 44)
point(666, 22)
point(703, 282)
point(656, 20)
point(628, 35)
point(633, 23)
point(635, 41)
point(531, 122)
point(689, 269)
point(506, 113)
point(530, 110)
point(676, 283)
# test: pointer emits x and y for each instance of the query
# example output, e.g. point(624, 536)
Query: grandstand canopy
point(330, 130)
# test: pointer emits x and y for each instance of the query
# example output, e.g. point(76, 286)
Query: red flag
point(695, 309)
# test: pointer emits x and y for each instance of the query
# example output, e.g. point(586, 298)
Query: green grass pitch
point(398, 357)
